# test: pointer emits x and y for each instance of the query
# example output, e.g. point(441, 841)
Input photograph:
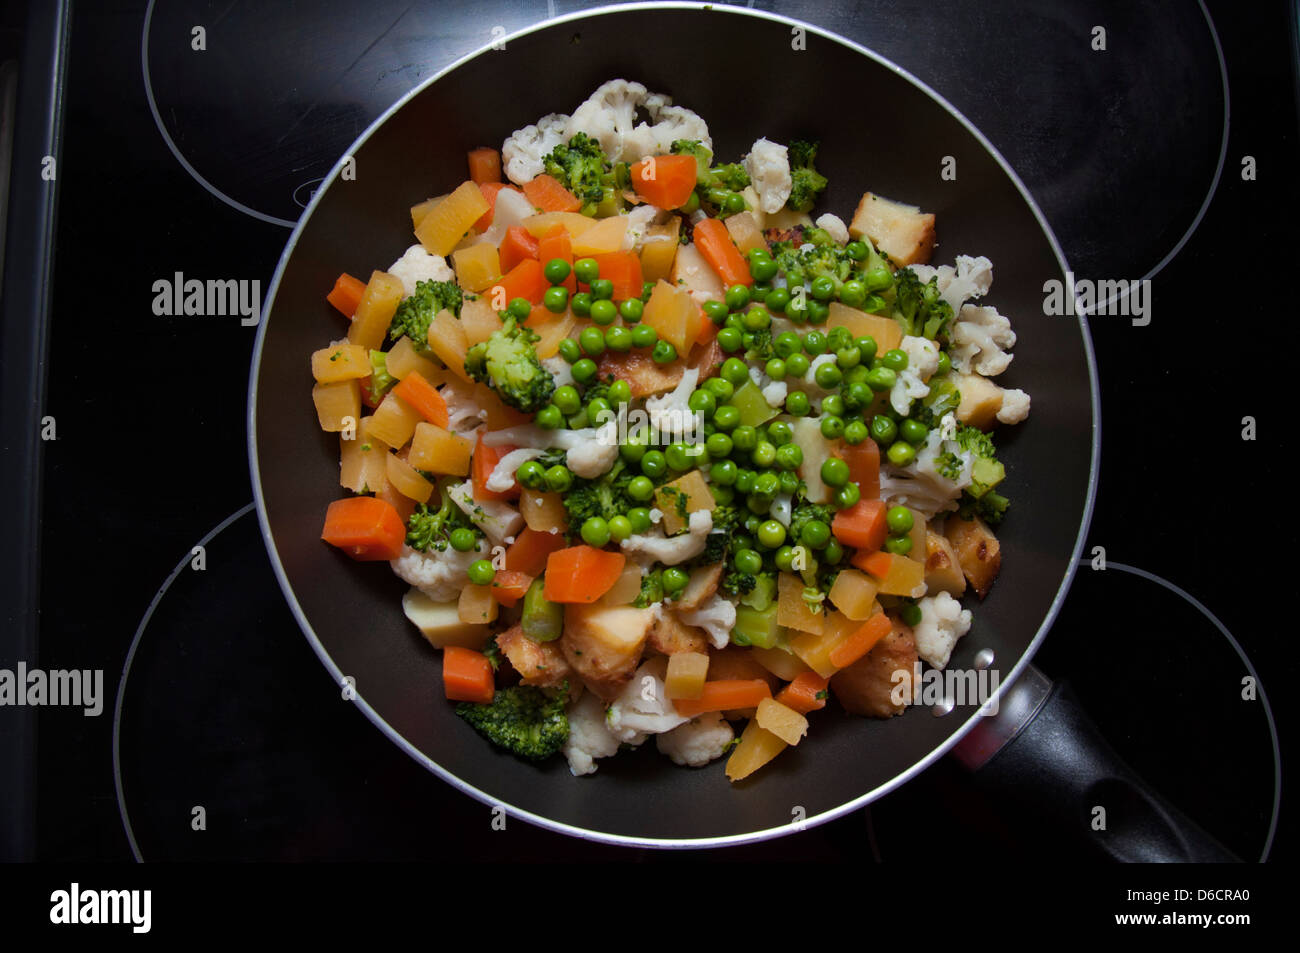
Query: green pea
point(818, 312)
point(530, 474)
point(780, 432)
point(835, 472)
point(724, 472)
point(556, 299)
point(763, 269)
point(744, 437)
point(617, 339)
point(875, 305)
point(730, 340)
point(847, 358)
point(716, 311)
point(796, 365)
point(797, 404)
point(733, 321)
point(733, 203)
point(674, 580)
point(567, 399)
point(814, 343)
point(784, 558)
point(549, 418)
point(815, 534)
point(481, 572)
point(789, 481)
point(866, 348)
point(569, 350)
point(859, 394)
point(778, 299)
point(557, 270)
point(595, 531)
point(913, 431)
point(722, 495)
point(745, 481)
point(520, 308)
point(767, 484)
point(654, 464)
point(881, 378)
point(702, 402)
point(463, 539)
point(771, 534)
point(748, 561)
point(632, 451)
point(899, 520)
point(721, 390)
point(853, 293)
point(581, 304)
point(631, 310)
point(663, 353)
point(857, 250)
point(823, 288)
point(764, 455)
point(796, 312)
point(592, 341)
point(828, 376)
point(727, 417)
point(878, 278)
point(587, 270)
point(737, 297)
point(584, 370)
point(910, 613)
point(855, 431)
point(735, 371)
point(644, 336)
point(602, 289)
point(832, 427)
point(857, 375)
point(847, 495)
point(599, 411)
point(945, 364)
point(620, 528)
point(894, 359)
point(789, 457)
point(898, 545)
point(647, 289)
point(639, 517)
point(883, 430)
point(719, 446)
point(756, 319)
point(833, 404)
point(603, 311)
point(901, 453)
point(680, 457)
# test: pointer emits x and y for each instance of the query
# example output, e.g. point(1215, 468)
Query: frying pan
point(880, 129)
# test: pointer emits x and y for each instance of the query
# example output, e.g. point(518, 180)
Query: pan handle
point(1041, 749)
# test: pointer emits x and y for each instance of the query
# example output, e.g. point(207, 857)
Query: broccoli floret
point(976, 441)
point(380, 380)
point(604, 496)
point(726, 521)
point(918, 308)
point(730, 175)
point(507, 362)
point(986, 471)
point(808, 182)
point(949, 466)
point(523, 720)
point(693, 147)
point(817, 236)
point(652, 589)
point(990, 507)
point(760, 344)
point(943, 399)
point(582, 168)
point(738, 583)
point(431, 529)
point(416, 312)
point(804, 513)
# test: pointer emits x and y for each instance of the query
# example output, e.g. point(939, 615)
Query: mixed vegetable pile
point(658, 452)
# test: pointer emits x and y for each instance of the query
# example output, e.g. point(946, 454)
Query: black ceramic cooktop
point(1162, 147)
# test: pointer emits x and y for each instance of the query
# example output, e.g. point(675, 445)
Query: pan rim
point(625, 840)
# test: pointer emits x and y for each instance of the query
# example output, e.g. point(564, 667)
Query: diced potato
point(440, 622)
point(337, 405)
point(551, 332)
point(447, 340)
point(436, 450)
point(605, 236)
point(670, 635)
point(854, 594)
point(785, 218)
point(362, 464)
point(906, 577)
point(394, 421)
point(384, 292)
point(476, 605)
point(625, 589)
point(343, 362)
point(757, 747)
point(446, 223)
point(693, 273)
point(672, 313)
point(884, 329)
point(604, 644)
point(659, 249)
point(981, 399)
point(781, 662)
point(404, 359)
point(978, 551)
point(403, 478)
point(903, 232)
point(745, 232)
point(702, 584)
point(693, 487)
point(786, 723)
point(477, 267)
point(815, 650)
point(574, 223)
point(543, 512)
point(686, 674)
point(792, 609)
point(942, 570)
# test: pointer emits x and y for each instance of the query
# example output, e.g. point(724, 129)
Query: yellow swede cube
point(446, 223)
point(883, 329)
point(815, 650)
point(781, 662)
point(436, 450)
point(477, 267)
point(362, 466)
point(686, 674)
point(404, 358)
point(551, 332)
point(403, 478)
point(479, 320)
point(338, 405)
point(342, 362)
point(682, 497)
point(543, 512)
point(605, 236)
point(745, 232)
point(659, 249)
point(905, 577)
point(447, 340)
point(477, 606)
point(384, 292)
point(574, 223)
point(625, 589)
point(757, 747)
point(672, 312)
point(854, 594)
point(786, 723)
point(394, 421)
point(792, 610)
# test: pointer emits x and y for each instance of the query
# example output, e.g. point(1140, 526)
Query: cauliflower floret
point(416, 264)
point(716, 616)
point(768, 165)
point(439, 575)
point(643, 707)
point(675, 549)
point(979, 338)
point(593, 457)
point(782, 507)
point(502, 476)
point(834, 226)
point(697, 742)
point(639, 221)
point(589, 735)
point(943, 622)
point(463, 412)
point(561, 370)
point(816, 449)
point(971, 278)
point(922, 355)
point(524, 150)
point(920, 485)
point(496, 518)
point(907, 387)
point(670, 414)
point(609, 116)
point(1015, 407)
point(775, 393)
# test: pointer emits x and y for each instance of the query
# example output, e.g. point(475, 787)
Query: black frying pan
point(881, 130)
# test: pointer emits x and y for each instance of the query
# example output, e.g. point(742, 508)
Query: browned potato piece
point(981, 399)
point(538, 663)
point(942, 571)
point(903, 232)
point(603, 644)
point(702, 585)
point(866, 687)
point(642, 374)
point(978, 551)
point(670, 635)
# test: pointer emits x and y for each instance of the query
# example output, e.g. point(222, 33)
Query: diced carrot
point(490, 190)
point(531, 549)
point(708, 330)
point(581, 573)
point(517, 246)
point(508, 587)
point(550, 196)
point(485, 461)
point(346, 294)
point(556, 243)
point(467, 675)
point(484, 165)
point(862, 525)
point(724, 695)
point(877, 563)
point(524, 280)
point(864, 467)
point(861, 641)
point(806, 693)
point(715, 244)
point(624, 269)
point(424, 397)
point(665, 181)
point(364, 527)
